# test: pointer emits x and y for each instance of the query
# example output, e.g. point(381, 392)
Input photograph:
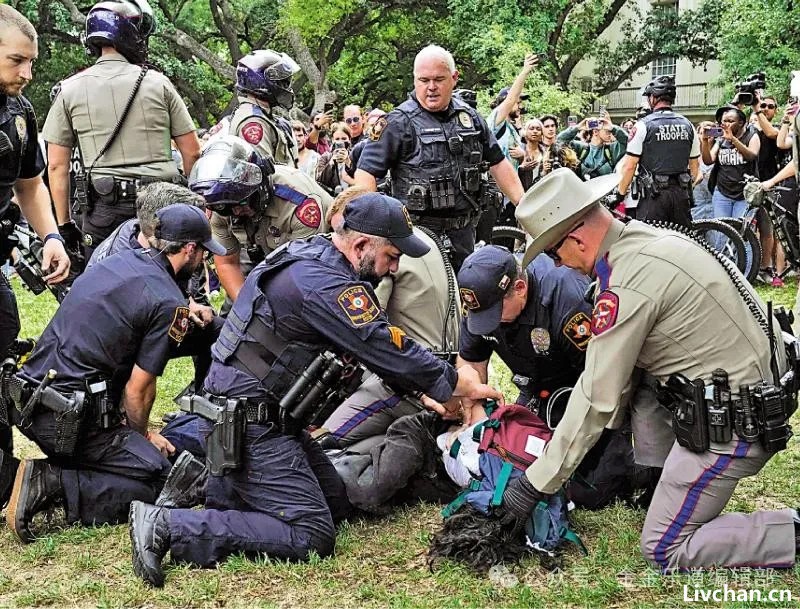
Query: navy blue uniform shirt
point(25, 159)
point(125, 310)
point(397, 140)
point(547, 342)
point(320, 301)
point(123, 238)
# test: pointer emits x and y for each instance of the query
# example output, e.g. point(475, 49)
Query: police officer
point(264, 82)
point(665, 148)
point(89, 111)
point(436, 147)
point(537, 321)
point(421, 300)
point(287, 205)
point(21, 167)
point(305, 298)
point(700, 333)
point(91, 380)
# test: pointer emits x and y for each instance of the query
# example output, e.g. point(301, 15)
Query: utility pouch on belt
point(224, 444)
point(771, 402)
point(442, 192)
point(82, 195)
point(687, 401)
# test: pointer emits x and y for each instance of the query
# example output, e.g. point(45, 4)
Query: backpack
point(511, 438)
point(584, 153)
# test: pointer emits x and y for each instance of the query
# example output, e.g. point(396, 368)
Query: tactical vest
point(443, 170)
point(248, 341)
point(667, 143)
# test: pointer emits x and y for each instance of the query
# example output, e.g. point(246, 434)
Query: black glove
point(618, 196)
point(72, 235)
point(520, 497)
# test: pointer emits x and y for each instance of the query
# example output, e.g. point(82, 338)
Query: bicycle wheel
point(724, 239)
point(752, 247)
point(511, 237)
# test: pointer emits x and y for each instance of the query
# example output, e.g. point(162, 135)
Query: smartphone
point(572, 121)
point(794, 108)
point(602, 109)
point(542, 57)
point(340, 145)
point(713, 132)
point(593, 123)
point(328, 107)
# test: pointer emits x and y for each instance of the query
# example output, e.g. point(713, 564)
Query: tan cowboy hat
point(555, 203)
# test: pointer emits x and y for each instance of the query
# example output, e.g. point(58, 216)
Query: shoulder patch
point(309, 213)
point(578, 330)
point(358, 305)
point(180, 324)
point(253, 132)
point(377, 129)
point(604, 315)
point(397, 335)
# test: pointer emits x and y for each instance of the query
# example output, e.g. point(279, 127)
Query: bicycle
point(783, 223)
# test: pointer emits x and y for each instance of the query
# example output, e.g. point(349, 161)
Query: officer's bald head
point(12, 18)
point(435, 52)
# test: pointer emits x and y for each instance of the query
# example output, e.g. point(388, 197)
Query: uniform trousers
point(110, 469)
point(671, 205)
point(9, 329)
point(685, 529)
point(367, 413)
point(284, 502)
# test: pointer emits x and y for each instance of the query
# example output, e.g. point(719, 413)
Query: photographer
point(332, 166)
point(604, 149)
point(733, 154)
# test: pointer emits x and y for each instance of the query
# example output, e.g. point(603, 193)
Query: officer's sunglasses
point(552, 252)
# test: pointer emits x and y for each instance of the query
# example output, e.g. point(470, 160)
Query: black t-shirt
point(25, 159)
point(767, 156)
point(732, 166)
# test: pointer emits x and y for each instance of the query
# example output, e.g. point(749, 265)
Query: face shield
point(148, 25)
point(222, 180)
point(283, 69)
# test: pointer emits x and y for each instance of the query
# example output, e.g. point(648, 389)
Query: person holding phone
point(606, 145)
point(332, 166)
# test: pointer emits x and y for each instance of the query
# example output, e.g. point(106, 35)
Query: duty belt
point(440, 223)
point(256, 411)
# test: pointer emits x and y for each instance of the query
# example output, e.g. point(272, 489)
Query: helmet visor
point(148, 20)
point(222, 168)
point(283, 69)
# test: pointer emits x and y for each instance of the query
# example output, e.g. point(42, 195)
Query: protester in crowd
point(703, 207)
point(531, 166)
point(549, 129)
point(606, 145)
point(353, 117)
point(332, 166)
point(317, 138)
point(307, 159)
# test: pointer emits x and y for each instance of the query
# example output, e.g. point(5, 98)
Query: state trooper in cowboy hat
point(663, 305)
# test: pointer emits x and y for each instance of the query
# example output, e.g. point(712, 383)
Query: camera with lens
point(340, 145)
point(746, 90)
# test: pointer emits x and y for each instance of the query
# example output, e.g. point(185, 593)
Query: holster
point(687, 401)
point(83, 197)
point(224, 444)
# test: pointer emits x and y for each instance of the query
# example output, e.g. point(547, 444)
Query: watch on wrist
point(55, 236)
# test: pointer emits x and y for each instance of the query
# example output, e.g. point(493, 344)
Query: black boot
point(186, 483)
point(8, 469)
point(37, 487)
point(149, 531)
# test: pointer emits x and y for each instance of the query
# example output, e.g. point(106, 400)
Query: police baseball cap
point(379, 215)
point(183, 223)
point(484, 279)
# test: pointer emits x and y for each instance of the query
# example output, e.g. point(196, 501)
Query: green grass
point(378, 562)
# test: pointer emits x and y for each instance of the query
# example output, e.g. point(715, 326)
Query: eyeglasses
point(353, 120)
point(770, 106)
point(552, 252)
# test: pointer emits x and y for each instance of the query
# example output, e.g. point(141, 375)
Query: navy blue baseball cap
point(484, 280)
point(182, 222)
point(379, 215)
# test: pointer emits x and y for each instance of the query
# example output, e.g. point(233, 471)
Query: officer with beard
point(90, 383)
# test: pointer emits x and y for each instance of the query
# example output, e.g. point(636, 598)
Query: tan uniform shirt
point(416, 298)
point(89, 105)
point(667, 307)
point(282, 220)
point(256, 126)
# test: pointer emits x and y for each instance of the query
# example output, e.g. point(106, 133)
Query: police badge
point(540, 339)
point(19, 123)
point(465, 119)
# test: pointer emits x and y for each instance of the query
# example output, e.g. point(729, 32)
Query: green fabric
point(501, 483)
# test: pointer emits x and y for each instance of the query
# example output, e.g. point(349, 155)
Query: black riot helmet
point(267, 75)
point(123, 24)
point(662, 88)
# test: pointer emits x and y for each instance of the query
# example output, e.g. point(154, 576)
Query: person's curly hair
point(477, 541)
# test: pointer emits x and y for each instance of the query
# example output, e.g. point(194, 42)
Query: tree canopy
point(362, 52)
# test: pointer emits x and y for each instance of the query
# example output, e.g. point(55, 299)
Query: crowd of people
point(352, 353)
